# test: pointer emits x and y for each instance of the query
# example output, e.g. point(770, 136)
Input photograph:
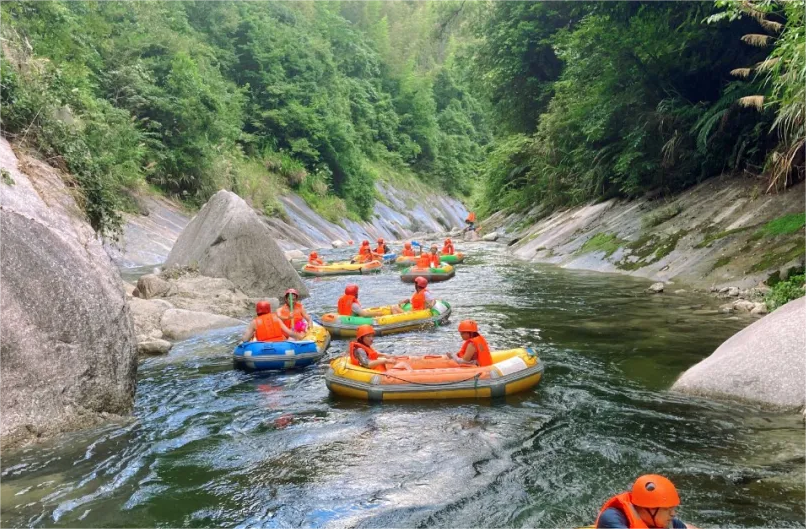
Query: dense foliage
point(194, 96)
point(618, 98)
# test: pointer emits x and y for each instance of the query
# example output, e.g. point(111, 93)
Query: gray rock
point(470, 236)
point(216, 295)
point(147, 313)
point(656, 287)
point(227, 239)
point(680, 291)
point(69, 357)
point(724, 290)
point(733, 292)
point(763, 362)
point(744, 305)
point(178, 324)
point(154, 347)
point(727, 308)
point(152, 286)
point(291, 255)
point(492, 236)
point(338, 244)
point(759, 308)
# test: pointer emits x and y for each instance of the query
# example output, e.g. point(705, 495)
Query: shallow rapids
point(212, 446)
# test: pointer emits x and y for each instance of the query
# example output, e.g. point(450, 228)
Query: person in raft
point(430, 259)
point(313, 259)
point(408, 251)
point(421, 299)
point(348, 304)
point(652, 502)
point(267, 327)
point(474, 349)
point(362, 354)
point(447, 247)
point(382, 248)
point(364, 253)
point(293, 314)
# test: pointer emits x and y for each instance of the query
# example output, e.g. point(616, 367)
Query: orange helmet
point(653, 491)
point(351, 289)
point(291, 291)
point(365, 243)
point(420, 281)
point(448, 240)
point(407, 245)
point(363, 330)
point(314, 255)
point(262, 307)
point(468, 326)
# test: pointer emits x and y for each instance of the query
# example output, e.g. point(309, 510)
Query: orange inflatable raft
point(437, 377)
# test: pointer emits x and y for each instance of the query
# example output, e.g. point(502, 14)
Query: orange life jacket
point(447, 249)
point(285, 315)
point(267, 329)
point(622, 502)
point(365, 250)
point(346, 304)
point(408, 252)
point(316, 261)
point(427, 260)
point(471, 217)
point(372, 354)
point(380, 250)
point(483, 356)
point(418, 300)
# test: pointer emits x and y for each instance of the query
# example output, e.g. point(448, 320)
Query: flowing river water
point(212, 446)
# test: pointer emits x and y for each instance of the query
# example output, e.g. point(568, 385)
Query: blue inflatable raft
point(288, 354)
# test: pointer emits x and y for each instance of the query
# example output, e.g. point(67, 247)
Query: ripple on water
point(211, 446)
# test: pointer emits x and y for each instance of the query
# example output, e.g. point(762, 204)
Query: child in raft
point(298, 318)
point(447, 247)
point(313, 259)
point(474, 350)
point(267, 327)
point(430, 259)
point(362, 354)
point(408, 251)
point(422, 298)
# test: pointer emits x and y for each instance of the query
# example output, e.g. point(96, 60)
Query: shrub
point(784, 292)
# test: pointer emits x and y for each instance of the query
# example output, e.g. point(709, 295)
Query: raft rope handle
point(474, 377)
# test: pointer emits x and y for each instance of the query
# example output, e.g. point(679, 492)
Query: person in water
point(474, 349)
point(382, 248)
point(267, 327)
point(421, 299)
point(408, 251)
point(349, 305)
point(652, 502)
point(447, 247)
point(293, 314)
point(313, 259)
point(362, 354)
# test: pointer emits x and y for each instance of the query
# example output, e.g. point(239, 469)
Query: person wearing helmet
point(267, 327)
point(652, 502)
point(382, 248)
point(447, 247)
point(470, 221)
point(421, 299)
point(364, 253)
point(293, 314)
point(362, 354)
point(348, 304)
point(314, 259)
point(408, 251)
point(430, 259)
point(474, 349)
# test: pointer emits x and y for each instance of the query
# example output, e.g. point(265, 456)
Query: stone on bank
point(763, 362)
point(69, 357)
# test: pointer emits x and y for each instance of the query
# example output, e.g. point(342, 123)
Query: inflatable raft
point(345, 268)
point(386, 258)
point(458, 257)
point(436, 377)
point(443, 273)
point(408, 260)
point(283, 355)
point(384, 322)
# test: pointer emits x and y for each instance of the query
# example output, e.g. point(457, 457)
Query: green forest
point(502, 104)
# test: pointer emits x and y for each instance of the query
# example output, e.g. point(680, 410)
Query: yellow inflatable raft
point(436, 377)
point(344, 268)
point(384, 322)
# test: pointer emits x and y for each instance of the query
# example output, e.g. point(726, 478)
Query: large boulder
point(151, 286)
point(763, 362)
point(227, 239)
point(178, 324)
point(69, 357)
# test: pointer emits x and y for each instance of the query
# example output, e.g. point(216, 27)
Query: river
point(212, 446)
